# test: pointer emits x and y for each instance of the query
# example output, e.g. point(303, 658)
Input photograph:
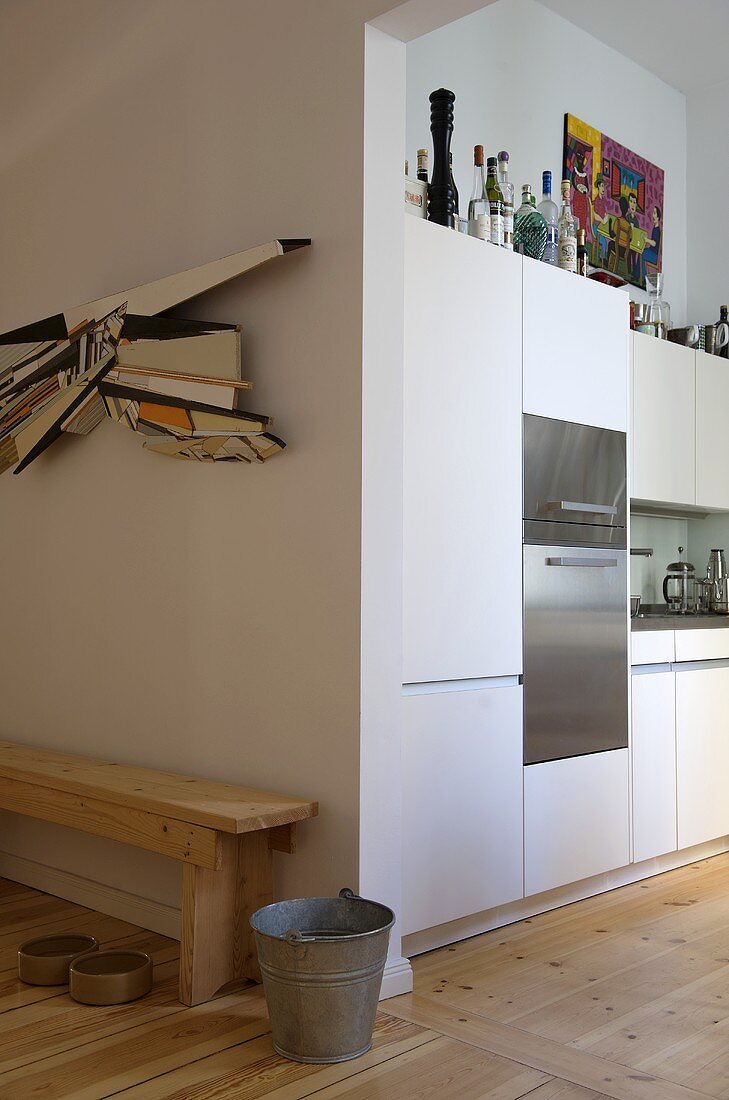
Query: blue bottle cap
point(547, 182)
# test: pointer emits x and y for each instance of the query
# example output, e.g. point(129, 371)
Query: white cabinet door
point(576, 342)
point(462, 804)
point(664, 404)
point(712, 437)
point(702, 754)
point(575, 819)
point(462, 457)
point(654, 765)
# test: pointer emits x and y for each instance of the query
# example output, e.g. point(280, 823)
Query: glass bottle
point(724, 320)
point(496, 203)
point(530, 228)
point(658, 320)
point(581, 253)
point(507, 192)
point(566, 233)
point(423, 165)
point(453, 185)
point(478, 205)
point(548, 209)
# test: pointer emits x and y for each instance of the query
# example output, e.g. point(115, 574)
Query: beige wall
point(204, 619)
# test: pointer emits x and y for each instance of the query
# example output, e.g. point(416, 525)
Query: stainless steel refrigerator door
point(575, 651)
point(574, 480)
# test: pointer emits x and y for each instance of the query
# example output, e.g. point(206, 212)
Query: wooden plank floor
point(625, 996)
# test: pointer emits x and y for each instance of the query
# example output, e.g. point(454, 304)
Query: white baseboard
point(153, 915)
point(397, 979)
point(431, 938)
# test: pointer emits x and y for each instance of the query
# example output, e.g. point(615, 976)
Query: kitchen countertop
point(679, 622)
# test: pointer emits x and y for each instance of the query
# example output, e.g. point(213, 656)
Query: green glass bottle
point(530, 228)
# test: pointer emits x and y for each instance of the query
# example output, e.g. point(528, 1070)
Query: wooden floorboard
point(624, 996)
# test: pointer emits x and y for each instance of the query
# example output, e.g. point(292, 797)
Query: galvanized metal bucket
point(322, 961)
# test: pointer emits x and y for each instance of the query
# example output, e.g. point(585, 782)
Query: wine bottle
point(566, 233)
point(496, 204)
point(453, 185)
point(423, 165)
point(478, 205)
point(581, 253)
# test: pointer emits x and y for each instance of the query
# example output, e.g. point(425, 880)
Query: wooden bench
point(223, 835)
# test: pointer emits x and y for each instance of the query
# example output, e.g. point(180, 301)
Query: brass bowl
point(46, 959)
point(110, 977)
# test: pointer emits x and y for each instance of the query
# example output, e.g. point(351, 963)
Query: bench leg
point(217, 945)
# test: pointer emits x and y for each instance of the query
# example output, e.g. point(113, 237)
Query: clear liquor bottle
point(478, 205)
point(496, 203)
point(507, 191)
point(566, 233)
point(548, 209)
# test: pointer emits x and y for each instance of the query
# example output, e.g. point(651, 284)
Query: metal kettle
point(679, 587)
point(716, 575)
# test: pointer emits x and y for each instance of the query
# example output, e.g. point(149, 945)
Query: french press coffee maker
point(679, 587)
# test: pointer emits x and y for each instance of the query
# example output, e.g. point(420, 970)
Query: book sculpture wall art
point(175, 382)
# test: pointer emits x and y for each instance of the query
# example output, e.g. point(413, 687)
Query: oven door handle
point(584, 563)
point(577, 506)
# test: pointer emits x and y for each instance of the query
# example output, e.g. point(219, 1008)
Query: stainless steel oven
point(575, 590)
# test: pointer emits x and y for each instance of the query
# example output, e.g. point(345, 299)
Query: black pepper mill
point(441, 199)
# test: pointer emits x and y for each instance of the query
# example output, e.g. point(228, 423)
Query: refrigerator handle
point(586, 563)
point(577, 506)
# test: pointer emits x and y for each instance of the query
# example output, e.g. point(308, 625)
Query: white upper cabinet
point(712, 437)
point(462, 804)
point(576, 334)
point(462, 457)
point(664, 408)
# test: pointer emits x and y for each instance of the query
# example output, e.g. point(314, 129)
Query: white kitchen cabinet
point(702, 754)
point(663, 418)
point(575, 819)
point(462, 804)
point(462, 457)
point(576, 343)
point(712, 438)
point(654, 765)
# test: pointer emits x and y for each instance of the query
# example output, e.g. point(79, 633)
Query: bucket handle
point(294, 936)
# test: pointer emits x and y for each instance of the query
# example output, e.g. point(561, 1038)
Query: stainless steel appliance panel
point(575, 651)
point(574, 475)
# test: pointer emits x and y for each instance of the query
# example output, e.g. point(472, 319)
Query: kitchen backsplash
point(698, 536)
point(664, 536)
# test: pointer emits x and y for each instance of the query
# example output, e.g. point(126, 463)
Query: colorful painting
point(617, 196)
point(175, 382)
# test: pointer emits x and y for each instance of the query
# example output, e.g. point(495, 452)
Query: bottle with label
point(530, 228)
point(478, 205)
point(507, 192)
point(423, 165)
point(496, 203)
point(566, 233)
point(581, 253)
point(548, 209)
point(724, 320)
point(453, 185)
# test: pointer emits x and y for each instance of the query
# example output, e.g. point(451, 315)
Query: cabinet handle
point(576, 506)
point(586, 563)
